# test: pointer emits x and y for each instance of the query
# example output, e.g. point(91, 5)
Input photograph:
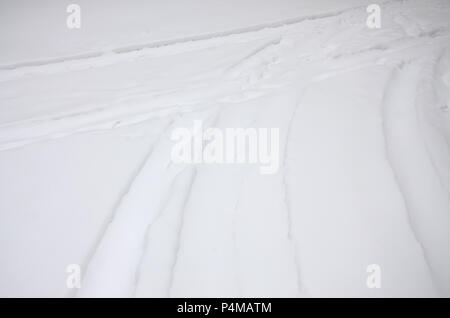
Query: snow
point(85, 140)
point(36, 31)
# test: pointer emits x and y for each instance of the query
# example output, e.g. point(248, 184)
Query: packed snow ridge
point(363, 179)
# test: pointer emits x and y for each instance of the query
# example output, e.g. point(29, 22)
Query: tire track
point(426, 205)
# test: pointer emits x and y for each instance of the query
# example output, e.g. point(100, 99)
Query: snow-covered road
point(364, 177)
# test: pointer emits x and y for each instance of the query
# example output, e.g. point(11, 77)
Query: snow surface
point(35, 31)
point(86, 175)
